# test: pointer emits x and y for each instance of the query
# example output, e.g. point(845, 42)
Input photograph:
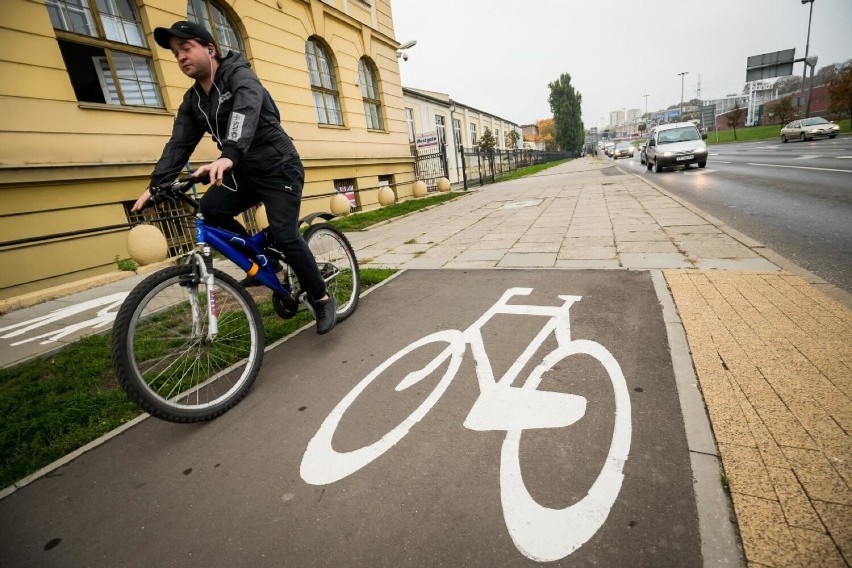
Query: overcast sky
point(500, 55)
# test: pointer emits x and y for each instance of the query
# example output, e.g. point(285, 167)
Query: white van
point(676, 144)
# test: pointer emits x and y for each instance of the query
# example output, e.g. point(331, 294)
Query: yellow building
point(88, 99)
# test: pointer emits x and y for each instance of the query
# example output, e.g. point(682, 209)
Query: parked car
point(808, 129)
point(623, 150)
point(676, 144)
point(610, 146)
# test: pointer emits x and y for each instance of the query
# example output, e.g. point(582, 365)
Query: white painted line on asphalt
point(806, 157)
point(844, 157)
point(720, 162)
point(799, 168)
point(698, 172)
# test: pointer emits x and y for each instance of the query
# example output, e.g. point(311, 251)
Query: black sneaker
point(326, 314)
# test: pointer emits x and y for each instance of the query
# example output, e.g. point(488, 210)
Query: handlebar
point(177, 190)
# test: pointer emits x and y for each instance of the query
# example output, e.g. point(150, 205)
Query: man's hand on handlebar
point(216, 170)
point(143, 201)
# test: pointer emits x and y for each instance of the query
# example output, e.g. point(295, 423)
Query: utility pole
point(681, 92)
point(805, 71)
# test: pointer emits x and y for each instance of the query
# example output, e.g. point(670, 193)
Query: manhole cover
point(519, 204)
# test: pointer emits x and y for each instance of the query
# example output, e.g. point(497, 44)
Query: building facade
point(89, 100)
point(456, 125)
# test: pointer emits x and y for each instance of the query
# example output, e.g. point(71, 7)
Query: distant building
point(633, 114)
point(456, 125)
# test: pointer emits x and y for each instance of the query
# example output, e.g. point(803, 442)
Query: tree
point(565, 104)
point(487, 142)
point(512, 138)
point(735, 117)
point(784, 109)
point(547, 134)
point(840, 91)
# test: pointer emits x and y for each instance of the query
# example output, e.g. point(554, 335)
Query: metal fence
point(479, 167)
point(431, 166)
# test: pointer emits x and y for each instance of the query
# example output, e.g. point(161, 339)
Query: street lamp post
point(681, 92)
point(805, 71)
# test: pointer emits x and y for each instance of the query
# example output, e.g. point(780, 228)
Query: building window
point(409, 124)
point(105, 52)
point(323, 84)
point(212, 17)
point(472, 134)
point(441, 128)
point(370, 94)
point(457, 133)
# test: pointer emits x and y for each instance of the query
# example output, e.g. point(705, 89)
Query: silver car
point(808, 129)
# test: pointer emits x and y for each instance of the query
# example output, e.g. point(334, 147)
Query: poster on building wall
point(347, 188)
point(427, 141)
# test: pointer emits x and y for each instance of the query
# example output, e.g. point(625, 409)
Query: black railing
point(483, 167)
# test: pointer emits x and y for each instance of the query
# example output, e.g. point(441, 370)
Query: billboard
point(769, 65)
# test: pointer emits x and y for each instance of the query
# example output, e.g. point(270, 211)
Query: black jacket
point(241, 116)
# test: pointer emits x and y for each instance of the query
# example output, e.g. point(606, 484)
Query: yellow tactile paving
point(773, 357)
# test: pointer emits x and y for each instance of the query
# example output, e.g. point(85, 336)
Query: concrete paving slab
point(525, 260)
point(653, 260)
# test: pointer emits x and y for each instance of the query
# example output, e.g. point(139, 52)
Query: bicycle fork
point(200, 262)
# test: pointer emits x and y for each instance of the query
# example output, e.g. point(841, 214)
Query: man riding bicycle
point(258, 162)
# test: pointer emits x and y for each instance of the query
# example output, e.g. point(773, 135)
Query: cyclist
point(258, 162)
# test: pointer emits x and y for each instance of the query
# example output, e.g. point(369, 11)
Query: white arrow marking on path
point(104, 317)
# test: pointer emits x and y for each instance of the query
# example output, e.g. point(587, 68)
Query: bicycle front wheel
point(338, 266)
point(164, 356)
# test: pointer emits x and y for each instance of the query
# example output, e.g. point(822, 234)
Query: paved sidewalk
point(774, 362)
point(772, 352)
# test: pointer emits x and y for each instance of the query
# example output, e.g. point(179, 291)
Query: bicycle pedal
point(285, 307)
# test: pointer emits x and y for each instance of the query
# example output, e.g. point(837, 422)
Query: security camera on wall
point(405, 57)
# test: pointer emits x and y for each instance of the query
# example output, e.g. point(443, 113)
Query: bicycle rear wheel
point(336, 260)
point(163, 357)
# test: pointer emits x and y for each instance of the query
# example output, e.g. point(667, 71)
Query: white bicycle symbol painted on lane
point(539, 532)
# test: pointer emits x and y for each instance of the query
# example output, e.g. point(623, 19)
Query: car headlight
point(668, 154)
point(700, 150)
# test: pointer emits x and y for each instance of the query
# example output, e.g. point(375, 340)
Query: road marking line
point(844, 157)
point(806, 157)
point(800, 168)
point(720, 162)
point(699, 172)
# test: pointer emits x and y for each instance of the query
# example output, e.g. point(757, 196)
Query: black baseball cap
point(183, 30)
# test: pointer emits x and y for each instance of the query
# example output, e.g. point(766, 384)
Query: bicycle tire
point(162, 357)
point(322, 464)
point(333, 252)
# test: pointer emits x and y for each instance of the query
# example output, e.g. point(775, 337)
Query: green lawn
point(757, 133)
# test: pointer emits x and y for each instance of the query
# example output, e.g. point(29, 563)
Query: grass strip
point(752, 133)
point(529, 170)
point(55, 404)
point(360, 221)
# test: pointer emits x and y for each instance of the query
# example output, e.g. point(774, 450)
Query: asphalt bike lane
point(476, 418)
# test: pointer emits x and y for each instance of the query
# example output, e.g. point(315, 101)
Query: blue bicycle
point(188, 341)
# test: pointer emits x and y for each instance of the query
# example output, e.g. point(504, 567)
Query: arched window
point(370, 94)
point(323, 84)
point(105, 52)
point(212, 17)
